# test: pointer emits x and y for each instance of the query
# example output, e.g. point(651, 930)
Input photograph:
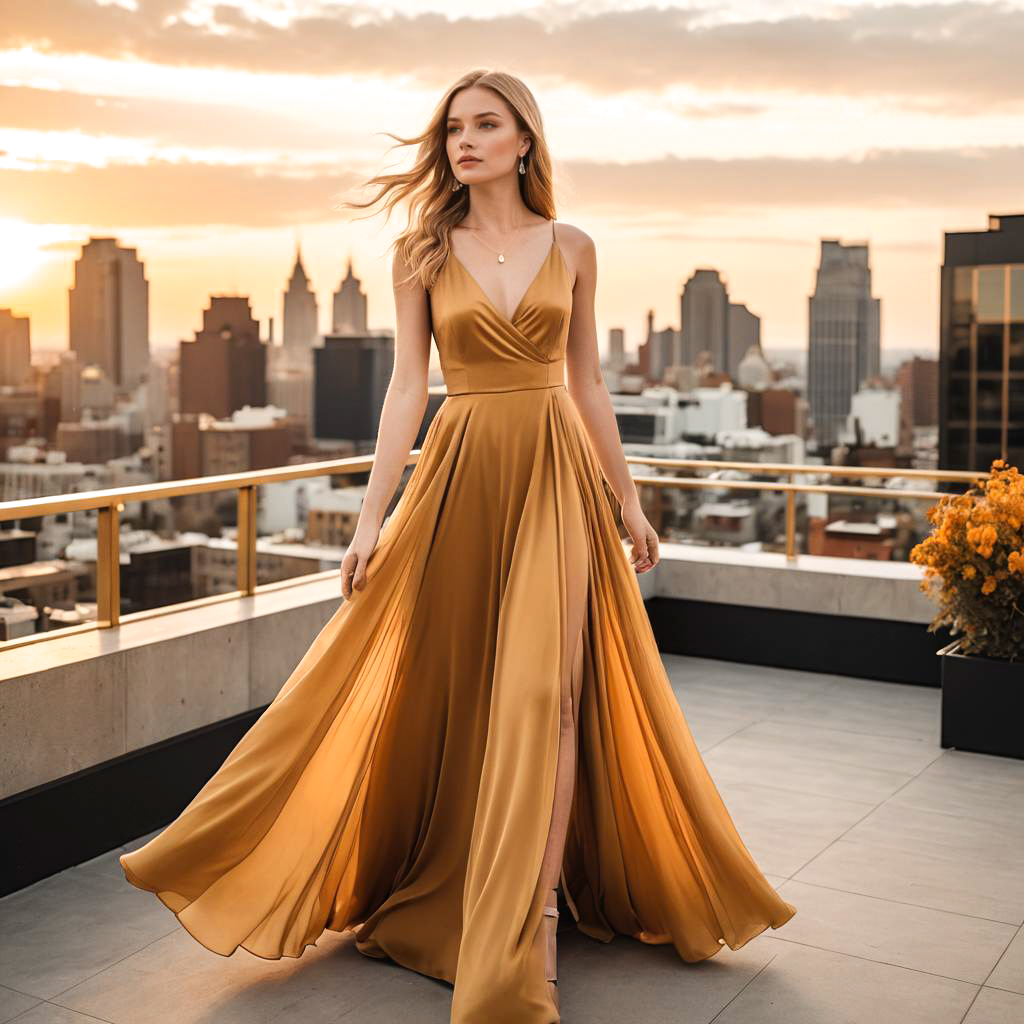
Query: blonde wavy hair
point(434, 207)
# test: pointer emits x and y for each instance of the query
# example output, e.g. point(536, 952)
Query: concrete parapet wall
point(77, 701)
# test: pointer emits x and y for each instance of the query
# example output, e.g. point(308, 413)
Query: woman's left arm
point(586, 386)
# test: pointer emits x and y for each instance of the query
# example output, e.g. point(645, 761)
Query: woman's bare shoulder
point(572, 236)
point(577, 247)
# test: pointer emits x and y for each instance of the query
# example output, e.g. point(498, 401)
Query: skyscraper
point(63, 387)
point(351, 376)
point(918, 381)
point(225, 367)
point(981, 346)
point(15, 349)
point(300, 311)
point(658, 351)
point(109, 311)
point(704, 317)
point(616, 348)
point(744, 334)
point(349, 314)
point(845, 328)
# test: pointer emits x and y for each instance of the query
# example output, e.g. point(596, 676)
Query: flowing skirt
point(401, 782)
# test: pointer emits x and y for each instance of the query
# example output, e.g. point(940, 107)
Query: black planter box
point(982, 703)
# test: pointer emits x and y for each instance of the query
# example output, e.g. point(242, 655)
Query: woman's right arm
point(401, 416)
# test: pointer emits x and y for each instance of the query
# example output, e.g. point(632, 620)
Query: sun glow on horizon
point(21, 254)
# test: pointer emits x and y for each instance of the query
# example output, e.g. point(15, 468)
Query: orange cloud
point(164, 193)
point(946, 56)
point(158, 121)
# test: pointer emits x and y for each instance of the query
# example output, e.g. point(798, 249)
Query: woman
point(486, 716)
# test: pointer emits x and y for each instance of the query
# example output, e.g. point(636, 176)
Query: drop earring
point(522, 166)
point(456, 185)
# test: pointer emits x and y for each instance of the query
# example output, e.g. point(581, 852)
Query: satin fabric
point(401, 782)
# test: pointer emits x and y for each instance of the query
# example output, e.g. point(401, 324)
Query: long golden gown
point(401, 782)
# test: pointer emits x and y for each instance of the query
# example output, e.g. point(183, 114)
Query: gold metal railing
point(110, 503)
point(791, 488)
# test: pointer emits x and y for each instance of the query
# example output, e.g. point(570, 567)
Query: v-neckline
point(511, 321)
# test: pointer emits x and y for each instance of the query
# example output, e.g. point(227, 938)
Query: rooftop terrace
point(903, 859)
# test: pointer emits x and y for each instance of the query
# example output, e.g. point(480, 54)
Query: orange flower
point(977, 538)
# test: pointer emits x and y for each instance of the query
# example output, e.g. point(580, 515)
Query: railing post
point(791, 524)
point(108, 565)
point(247, 540)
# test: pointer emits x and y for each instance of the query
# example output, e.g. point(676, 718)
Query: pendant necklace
point(501, 254)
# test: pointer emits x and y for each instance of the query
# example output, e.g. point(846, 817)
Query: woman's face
point(480, 125)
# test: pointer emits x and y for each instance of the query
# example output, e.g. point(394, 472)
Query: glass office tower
point(981, 347)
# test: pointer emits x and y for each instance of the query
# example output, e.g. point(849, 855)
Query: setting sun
point(20, 254)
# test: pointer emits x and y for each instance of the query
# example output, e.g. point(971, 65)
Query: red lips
point(468, 160)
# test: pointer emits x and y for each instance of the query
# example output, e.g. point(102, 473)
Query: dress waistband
point(501, 378)
point(504, 391)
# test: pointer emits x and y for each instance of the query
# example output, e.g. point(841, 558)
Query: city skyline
point(213, 155)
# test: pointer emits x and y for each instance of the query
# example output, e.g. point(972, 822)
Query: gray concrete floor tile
point(783, 829)
point(51, 1013)
point(803, 985)
point(923, 877)
point(898, 826)
point(710, 727)
point(883, 753)
point(900, 934)
point(626, 981)
point(972, 787)
point(870, 708)
point(12, 1003)
point(747, 755)
point(177, 979)
point(995, 1007)
point(66, 928)
point(1009, 972)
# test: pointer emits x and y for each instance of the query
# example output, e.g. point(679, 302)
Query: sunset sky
point(210, 136)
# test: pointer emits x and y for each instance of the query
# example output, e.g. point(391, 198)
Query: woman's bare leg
point(577, 587)
point(565, 776)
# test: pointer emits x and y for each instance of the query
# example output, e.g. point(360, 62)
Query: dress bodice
point(483, 350)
